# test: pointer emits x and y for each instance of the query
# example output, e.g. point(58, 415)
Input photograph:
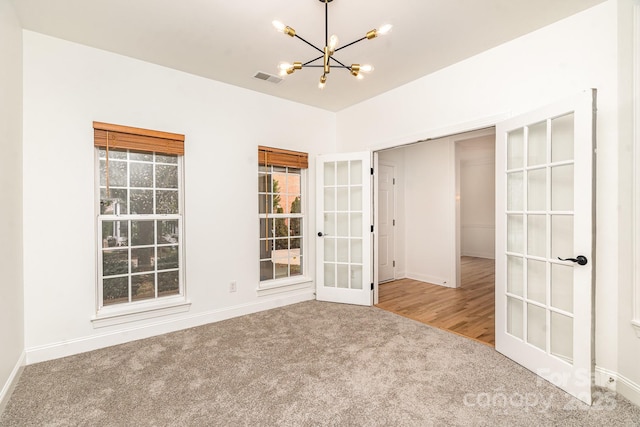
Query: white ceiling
point(230, 41)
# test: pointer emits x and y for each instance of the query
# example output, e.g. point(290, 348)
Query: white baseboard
point(12, 381)
point(488, 255)
point(94, 342)
point(618, 383)
point(431, 279)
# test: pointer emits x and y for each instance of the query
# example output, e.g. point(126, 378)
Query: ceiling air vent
point(267, 77)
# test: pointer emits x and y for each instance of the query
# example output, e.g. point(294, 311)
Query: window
point(280, 205)
point(139, 216)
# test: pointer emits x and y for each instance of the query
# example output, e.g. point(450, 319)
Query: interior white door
point(344, 266)
point(544, 212)
point(386, 222)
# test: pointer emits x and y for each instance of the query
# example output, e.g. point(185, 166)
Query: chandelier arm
point(349, 44)
point(306, 64)
point(321, 66)
point(343, 66)
point(333, 66)
point(310, 44)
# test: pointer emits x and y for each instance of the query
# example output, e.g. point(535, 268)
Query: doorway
point(444, 233)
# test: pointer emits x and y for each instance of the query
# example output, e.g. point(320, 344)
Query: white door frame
point(486, 123)
point(374, 243)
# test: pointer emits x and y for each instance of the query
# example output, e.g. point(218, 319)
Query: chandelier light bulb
point(323, 82)
point(366, 68)
point(284, 67)
point(283, 28)
point(333, 43)
point(360, 76)
point(279, 26)
point(385, 29)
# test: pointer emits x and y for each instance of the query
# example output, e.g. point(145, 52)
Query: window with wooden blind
point(281, 200)
point(139, 206)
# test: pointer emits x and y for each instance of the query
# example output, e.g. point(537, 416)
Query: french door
point(344, 266)
point(545, 242)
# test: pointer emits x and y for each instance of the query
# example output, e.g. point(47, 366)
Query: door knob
point(580, 259)
point(320, 234)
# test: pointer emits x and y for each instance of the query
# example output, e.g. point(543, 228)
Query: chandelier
point(330, 48)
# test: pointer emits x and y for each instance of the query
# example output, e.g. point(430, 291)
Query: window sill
point(636, 326)
point(111, 316)
point(283, 285)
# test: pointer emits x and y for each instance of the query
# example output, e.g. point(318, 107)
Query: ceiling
point(230, 41)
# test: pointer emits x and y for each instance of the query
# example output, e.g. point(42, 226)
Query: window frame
point(300, 281)
point(118, 313)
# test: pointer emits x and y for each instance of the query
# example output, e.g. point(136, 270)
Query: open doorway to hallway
point(467, 310)
point(443, 233)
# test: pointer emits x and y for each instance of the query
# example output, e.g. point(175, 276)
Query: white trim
point(131, 313)
point(375, 258)
point(161, 326)
point(12, 382)
point(605, 378)
point(636, 167)
point(445, 131)
point(486, 255)
point(618, 383)
point(636, 323)
point(431, 279)
point(284, 285)
point(629, 389)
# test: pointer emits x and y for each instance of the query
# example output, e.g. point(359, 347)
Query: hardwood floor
point(467, 310)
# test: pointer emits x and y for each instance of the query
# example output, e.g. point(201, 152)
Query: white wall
point(66, 87)
point(430, 211)
point(11, 287)
point(477, 197)
point(558, 61)
point(628, 374)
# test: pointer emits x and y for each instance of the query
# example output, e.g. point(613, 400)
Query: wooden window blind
point(111, 136)
point(278, 157)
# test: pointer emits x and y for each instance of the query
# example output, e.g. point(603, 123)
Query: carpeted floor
point(307, 364)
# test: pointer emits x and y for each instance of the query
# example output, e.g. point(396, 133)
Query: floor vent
point(267, 77)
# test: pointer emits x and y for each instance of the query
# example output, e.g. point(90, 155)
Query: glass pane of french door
point(343, 218)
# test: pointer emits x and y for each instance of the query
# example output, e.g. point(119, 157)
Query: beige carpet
point(308, 364)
